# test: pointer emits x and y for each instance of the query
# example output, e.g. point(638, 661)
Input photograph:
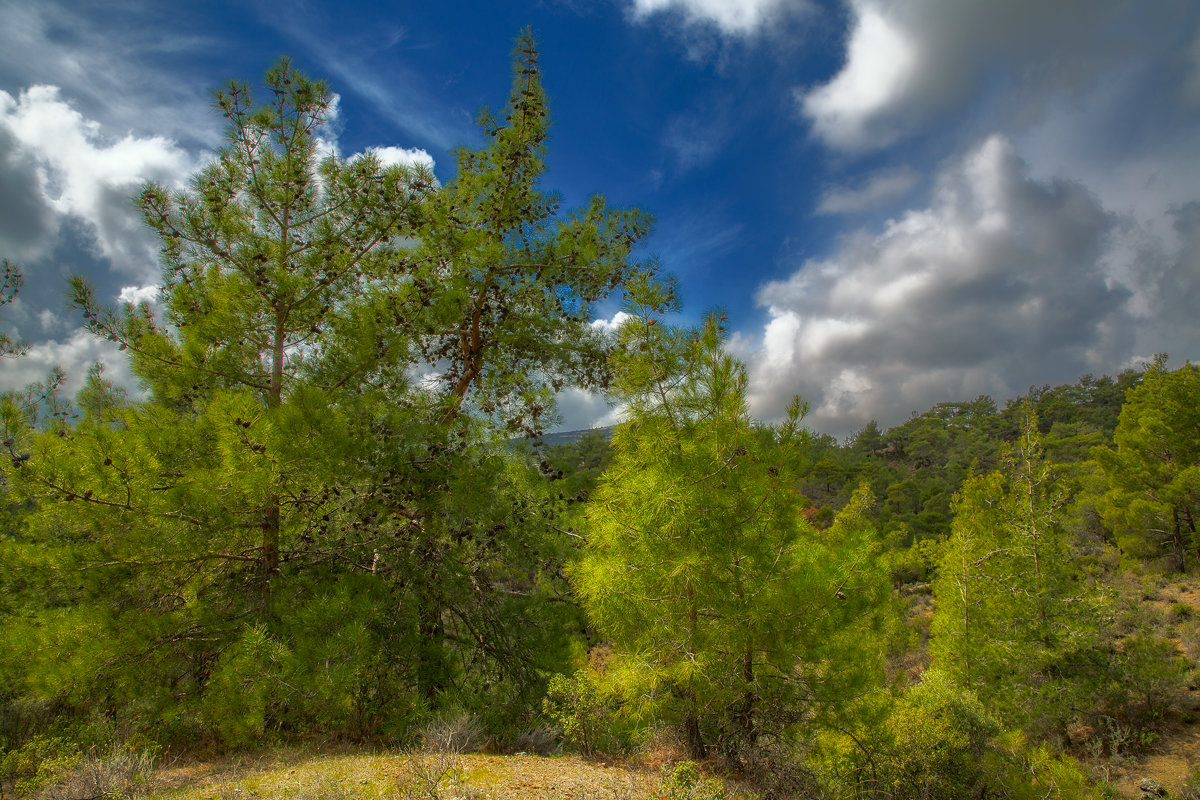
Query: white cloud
point(877, 190)
point(326, 136)
point(881, 61)
point(906, 60)
point(609, 326)
point(998, 285)
point(403, 156)
point(87, 174)
point(730, 16)
point(109, 70)
point(75, 354)
point(138, 294)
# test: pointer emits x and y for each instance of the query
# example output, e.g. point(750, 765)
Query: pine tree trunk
point(1177, 541)
point(695, 741)
point(748, 699)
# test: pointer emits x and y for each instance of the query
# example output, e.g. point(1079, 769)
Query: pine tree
point(728, 612)
point(1012, 615)
point(293, 505)
point(1152, 499)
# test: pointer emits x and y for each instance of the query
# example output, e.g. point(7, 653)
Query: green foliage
point(578, 465)
point(1012, 621)
point(1152, 674)
point(728, 612)
point(243, 689)
point(1035, 772)
point(291, 533)
point(1152, 497)
point(683, 781)
point(938, 734)
point(582, 710)
point(37, 763)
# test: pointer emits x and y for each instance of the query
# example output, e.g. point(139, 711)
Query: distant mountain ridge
point(570, 437)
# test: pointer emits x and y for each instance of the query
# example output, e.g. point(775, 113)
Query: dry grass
point(424, 775)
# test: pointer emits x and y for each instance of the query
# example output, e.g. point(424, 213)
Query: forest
point(330, 515)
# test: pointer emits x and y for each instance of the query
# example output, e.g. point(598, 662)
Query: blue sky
point(897, 202)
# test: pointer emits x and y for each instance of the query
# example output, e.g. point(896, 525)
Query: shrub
point(683, 781)
point(939, 734)
point(454, 732)
point(243, 687)
point(1155, 673)
point(582, 710)
point(1022, 772)
point(540, 740)
point(53, 768)
point(37, 763)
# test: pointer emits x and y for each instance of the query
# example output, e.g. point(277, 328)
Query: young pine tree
point(728, 612)
point(1013, 617)
point(1152, 499)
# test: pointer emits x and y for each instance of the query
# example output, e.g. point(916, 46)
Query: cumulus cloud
point(906, 60)
point(997, 285)
point(403, 157)
point(1165, 279)
point(730, 16)
point(88, 50)
point(87, 175)
point(870, 194)
point(609, 326)
point(881, 62)
point(138, 294)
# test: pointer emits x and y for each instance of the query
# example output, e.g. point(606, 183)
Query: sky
point(895, 202)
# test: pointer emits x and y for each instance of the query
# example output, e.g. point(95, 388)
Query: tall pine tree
point(312, 520)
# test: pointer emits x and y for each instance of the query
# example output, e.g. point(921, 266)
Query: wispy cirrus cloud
point(869, 194)
point(76, 47)
point(395, 92)
point(738, 17)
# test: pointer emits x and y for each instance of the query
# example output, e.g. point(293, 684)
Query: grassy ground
point(391, 776)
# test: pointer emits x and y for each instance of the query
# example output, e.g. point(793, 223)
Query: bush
point(53, 768)
point(538, 740)
point(939, 734)
point(683, 781)
point(584, 713)
point(243, 687)
point(1022, 772)
point(454, 732)
point(36, 764)
point(1155, 671)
